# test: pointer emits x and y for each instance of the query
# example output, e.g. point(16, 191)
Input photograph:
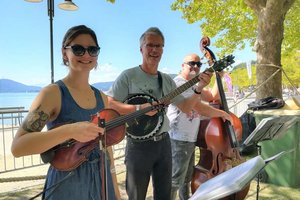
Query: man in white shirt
point(184, 127)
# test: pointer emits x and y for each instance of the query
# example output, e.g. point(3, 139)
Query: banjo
point(145, 127)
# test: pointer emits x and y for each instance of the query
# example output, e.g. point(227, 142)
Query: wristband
point(137, 107)
point(195, 91)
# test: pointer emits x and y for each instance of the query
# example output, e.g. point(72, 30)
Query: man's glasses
point(152, 46)
point(193, 63)
point(79, 50)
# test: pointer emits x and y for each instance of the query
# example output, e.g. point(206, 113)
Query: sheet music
point(230, 181)
point(269, 128)
point(233, 180)
point(287, 122)
point(261, 130)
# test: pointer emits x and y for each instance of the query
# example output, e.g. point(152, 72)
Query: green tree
point(291, 66)
point(240, 77)
point(270, 26)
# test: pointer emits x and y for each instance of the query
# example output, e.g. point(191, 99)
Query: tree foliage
point(234, 24)
point(290, 66)
point(291, 42)
point(271, 27)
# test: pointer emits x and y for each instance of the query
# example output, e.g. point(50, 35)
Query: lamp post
point(66, 5)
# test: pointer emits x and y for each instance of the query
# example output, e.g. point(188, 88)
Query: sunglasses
point(79, 50)
point(193, 63)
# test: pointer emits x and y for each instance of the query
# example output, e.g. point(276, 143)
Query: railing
point(11, 118)
point(238, 108)
point(11, 115)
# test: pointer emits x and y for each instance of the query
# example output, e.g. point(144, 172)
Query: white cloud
point(104, 73)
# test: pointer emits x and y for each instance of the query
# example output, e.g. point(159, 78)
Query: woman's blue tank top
point(85, 181)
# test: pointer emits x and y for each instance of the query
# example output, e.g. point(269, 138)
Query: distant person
point(149, 154)
point(241, 94)
point(66, 108)
point(185, 127)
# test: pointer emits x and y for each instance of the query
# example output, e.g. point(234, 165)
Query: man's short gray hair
point(151, 31)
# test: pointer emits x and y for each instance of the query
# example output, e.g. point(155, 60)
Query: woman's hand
point(84, 131)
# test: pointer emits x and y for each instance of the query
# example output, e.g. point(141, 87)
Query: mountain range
point(7, 85)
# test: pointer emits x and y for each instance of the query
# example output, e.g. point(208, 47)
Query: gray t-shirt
point(136, 81)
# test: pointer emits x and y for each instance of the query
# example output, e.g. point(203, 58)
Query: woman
point(66, 108)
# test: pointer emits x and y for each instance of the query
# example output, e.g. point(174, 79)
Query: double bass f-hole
point(217, 140)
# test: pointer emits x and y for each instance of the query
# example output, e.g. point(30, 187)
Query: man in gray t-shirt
point(150, 156)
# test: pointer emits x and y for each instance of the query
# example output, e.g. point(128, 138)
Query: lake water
point(17, 99)
point(25, 100)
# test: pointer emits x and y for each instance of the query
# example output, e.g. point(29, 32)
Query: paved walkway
point(30, 188)
point(23, 190)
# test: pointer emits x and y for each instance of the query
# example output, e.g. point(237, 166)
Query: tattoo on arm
point(35, 120)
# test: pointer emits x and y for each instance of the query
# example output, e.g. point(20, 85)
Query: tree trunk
point(271, 15)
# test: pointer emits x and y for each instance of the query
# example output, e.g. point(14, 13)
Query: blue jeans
point(145, 159)
point(183, 160)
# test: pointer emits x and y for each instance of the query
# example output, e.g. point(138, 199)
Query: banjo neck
point(217, 66)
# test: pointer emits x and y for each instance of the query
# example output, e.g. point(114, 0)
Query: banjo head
point(143, 127)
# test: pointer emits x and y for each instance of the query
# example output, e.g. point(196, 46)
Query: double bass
point(217, 140)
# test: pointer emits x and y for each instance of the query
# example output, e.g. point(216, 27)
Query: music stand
point(268, 128)
point(232, 180)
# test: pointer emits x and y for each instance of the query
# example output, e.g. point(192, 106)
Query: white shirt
point(184, 127)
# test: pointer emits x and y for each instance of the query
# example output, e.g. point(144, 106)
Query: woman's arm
point(29, 139)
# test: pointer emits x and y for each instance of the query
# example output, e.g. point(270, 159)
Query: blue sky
point(25, 37)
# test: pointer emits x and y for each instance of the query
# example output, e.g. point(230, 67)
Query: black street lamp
point(66, 5)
